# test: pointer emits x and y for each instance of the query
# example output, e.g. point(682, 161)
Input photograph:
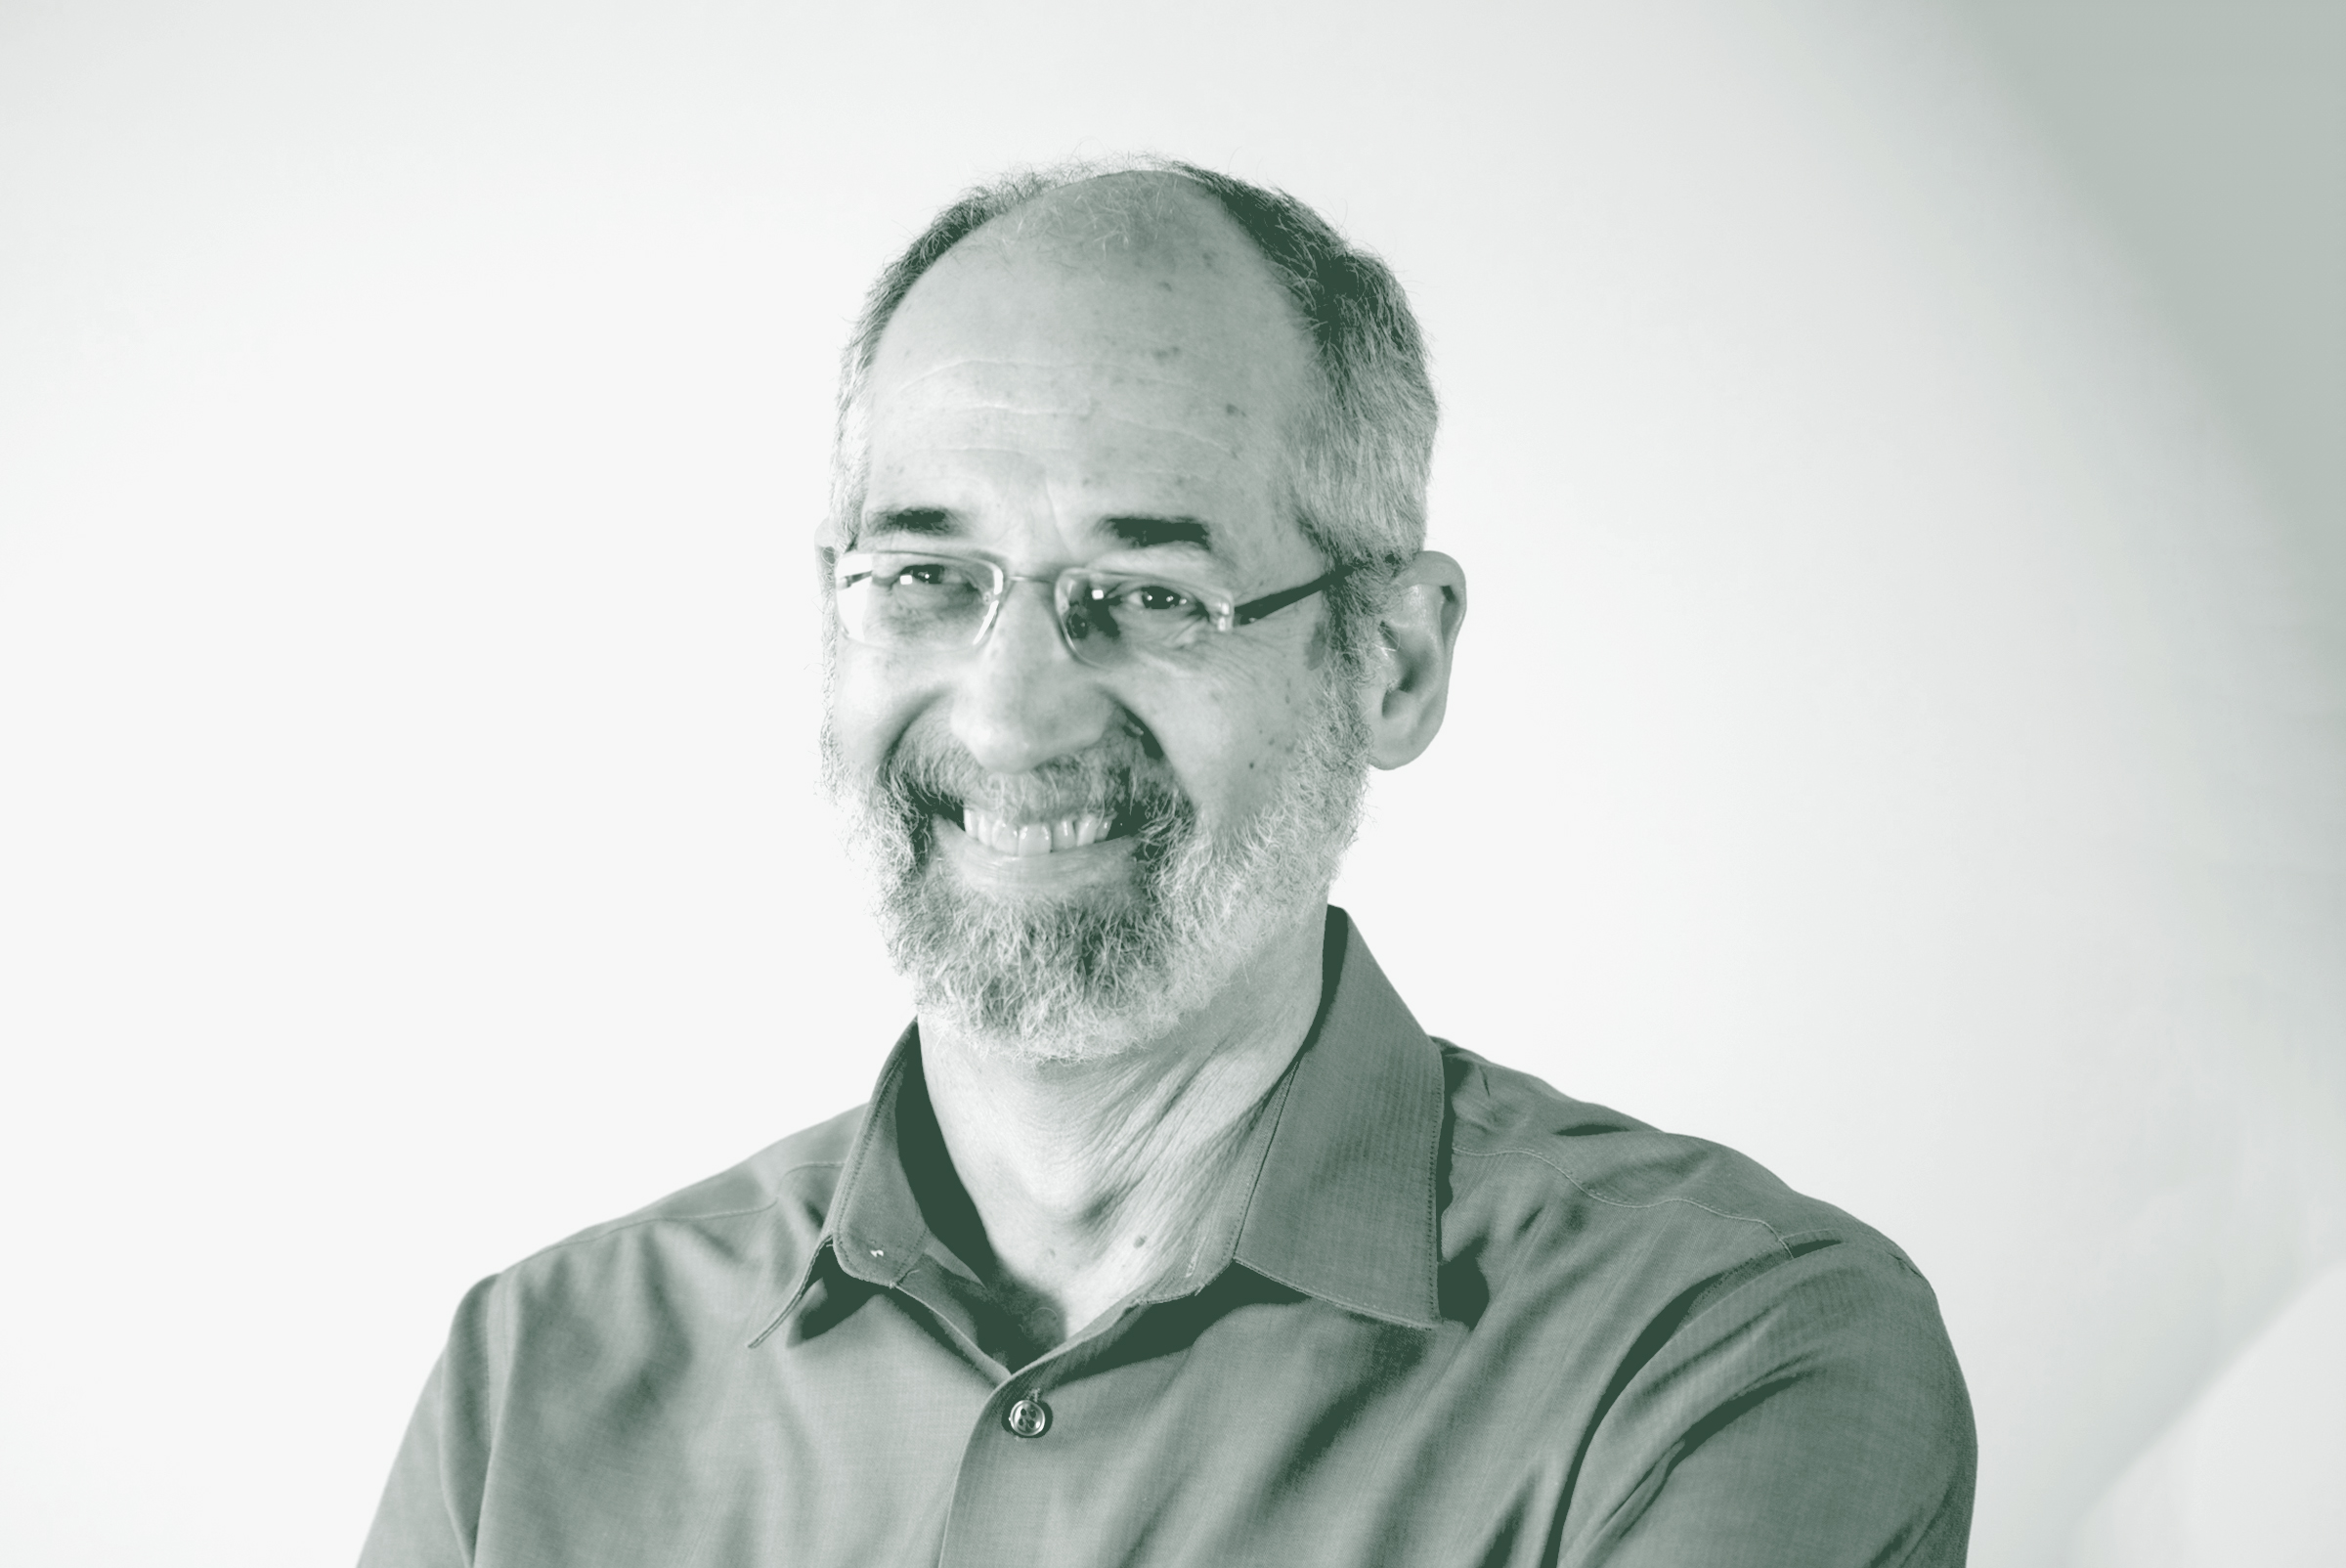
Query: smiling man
point(1168, 1235)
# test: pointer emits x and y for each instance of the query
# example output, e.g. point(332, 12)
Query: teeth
point(1004, 837)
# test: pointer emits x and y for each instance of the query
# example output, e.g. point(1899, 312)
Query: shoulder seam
point(1624, 1203)
point(595, 1233)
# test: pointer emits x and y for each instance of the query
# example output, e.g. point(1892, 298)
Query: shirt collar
point(874, 1231)
point(1344, 1208)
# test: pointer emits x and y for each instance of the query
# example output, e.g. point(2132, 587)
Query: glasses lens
point(1109, 619)
point(913, 599)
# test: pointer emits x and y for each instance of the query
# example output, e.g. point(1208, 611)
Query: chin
point(1083, 959)
point(1074, 977)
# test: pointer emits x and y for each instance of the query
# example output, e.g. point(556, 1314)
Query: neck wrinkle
point(1095, 1180)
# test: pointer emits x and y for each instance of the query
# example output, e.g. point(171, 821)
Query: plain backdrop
point(1898, 730)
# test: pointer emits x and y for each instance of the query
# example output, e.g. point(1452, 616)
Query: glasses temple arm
point(1270, 603)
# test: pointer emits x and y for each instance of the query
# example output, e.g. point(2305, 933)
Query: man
point(1168, 1236)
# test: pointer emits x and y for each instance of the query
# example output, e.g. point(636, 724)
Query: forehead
point(1081, 367)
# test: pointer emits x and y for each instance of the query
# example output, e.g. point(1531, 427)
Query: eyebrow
point(924, 522)
point(1142, 532)
point(1138, 531)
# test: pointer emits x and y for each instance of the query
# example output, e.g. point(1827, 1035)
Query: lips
point(1113, 792)
point(1049, 836)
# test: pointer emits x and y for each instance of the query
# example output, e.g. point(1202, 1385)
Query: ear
point(1408, 685)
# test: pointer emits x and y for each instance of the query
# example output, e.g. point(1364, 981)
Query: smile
point(1025, 840)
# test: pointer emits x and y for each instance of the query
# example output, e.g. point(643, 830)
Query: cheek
point(873, 699)
point(1230, 740)
point(1316, 651)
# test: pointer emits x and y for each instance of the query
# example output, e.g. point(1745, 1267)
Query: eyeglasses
point(901, 599)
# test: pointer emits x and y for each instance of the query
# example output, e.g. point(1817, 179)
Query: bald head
point(1145, 258)
point(1128, 316)
point(1358, 433)
point(1130, 216)
point(1061, 400)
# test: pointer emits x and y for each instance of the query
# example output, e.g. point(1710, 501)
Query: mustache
point(1119, 780)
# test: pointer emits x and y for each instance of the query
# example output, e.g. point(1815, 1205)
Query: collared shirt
point(1457, 1318)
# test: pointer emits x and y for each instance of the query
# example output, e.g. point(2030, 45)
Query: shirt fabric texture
point(1458, 1317)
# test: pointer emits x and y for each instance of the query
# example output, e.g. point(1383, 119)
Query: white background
point(1898, 730)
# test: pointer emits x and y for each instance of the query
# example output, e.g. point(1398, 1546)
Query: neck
point(1096, 1180)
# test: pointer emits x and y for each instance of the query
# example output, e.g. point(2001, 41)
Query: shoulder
point(1747, 1336)
point(1516, 1140)
point(1556, 1198)
point(710, 1250)
point(802, 1168)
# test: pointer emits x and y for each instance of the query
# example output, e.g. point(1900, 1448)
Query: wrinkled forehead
point(1082, 415)
point(1156, 368)
point(1168, 290)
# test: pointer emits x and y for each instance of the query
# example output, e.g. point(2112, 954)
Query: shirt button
point(1029, 1418)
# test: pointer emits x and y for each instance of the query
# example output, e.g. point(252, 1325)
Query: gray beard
point(1092, 976)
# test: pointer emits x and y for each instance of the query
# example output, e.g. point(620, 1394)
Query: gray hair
point(1359, 452)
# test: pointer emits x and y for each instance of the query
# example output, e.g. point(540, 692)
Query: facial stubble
point(1095, 974)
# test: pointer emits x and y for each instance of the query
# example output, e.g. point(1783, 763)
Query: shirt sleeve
point(1810, 1413)
point(432, 1508)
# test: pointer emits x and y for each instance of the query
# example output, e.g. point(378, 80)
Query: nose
point(1022, 700)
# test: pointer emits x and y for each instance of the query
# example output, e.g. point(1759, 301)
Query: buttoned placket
point(1027, 1422)
point(900, 1256)
point(1019, 1426)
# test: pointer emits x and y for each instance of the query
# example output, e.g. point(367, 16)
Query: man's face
point(1048, 403)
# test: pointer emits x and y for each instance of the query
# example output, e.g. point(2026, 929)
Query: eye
point(1155, 599)
point(930, 574)
point(931, 584)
